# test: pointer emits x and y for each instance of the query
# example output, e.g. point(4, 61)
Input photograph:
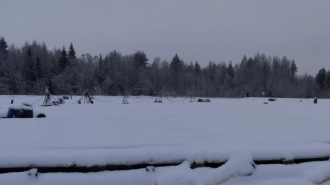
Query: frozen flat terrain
point(109, 132)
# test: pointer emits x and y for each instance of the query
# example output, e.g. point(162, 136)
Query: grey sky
point(195, 29)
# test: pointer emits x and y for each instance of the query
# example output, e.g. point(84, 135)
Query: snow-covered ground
point(109, 132)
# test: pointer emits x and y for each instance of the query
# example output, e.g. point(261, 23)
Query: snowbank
point(179, 175)
point(292, 181)
point(319, 174)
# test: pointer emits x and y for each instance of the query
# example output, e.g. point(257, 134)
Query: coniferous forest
point(27, 70)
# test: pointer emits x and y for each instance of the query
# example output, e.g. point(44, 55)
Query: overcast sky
point(199, 30)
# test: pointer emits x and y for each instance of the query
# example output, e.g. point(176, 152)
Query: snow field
point(112, 133)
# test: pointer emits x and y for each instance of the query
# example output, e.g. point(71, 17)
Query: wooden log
point(114, 167)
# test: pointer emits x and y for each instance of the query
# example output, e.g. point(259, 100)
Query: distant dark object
point(66, 97)
point(265, 102)
point(12, 101)
point(203, 100)
point(14, 112)
point(248, 94)
point(315, 100)
point(53, 103)
point(150, 169)
point(158, 101)
point(27, 112)
point(41, 116)
point(61, 101)
point(33, 172)
point(271, 99)
point(23, 111)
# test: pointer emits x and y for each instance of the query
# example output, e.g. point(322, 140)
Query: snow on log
point(181, 174)
point(239, 165)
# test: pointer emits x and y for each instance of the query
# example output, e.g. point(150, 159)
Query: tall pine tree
point(320, 78)
point(140, 60)
point(3, 71)
point(31, 70)
point(72, 52)
point(176, 67)
point(38, 67)
point(293, 69)
point(231, 75)
point(64, 62)
point(3, 48)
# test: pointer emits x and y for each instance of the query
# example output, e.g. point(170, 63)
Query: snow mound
point(180, 175)
point(292, 181)
point(239, 165)
point(319, 174)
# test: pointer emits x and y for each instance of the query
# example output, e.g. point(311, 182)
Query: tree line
point(31, 68)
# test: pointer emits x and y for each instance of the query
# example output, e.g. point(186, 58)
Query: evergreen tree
point(293, 68)
point(176, 63)
point(63, 60)
point(3, 71)
point(3, 49)
point(328, 79)
point(100, 74)
point(197, 69)
point(320, 78)
point(140, 59)
point(101, 61)
point(72, 52)
point(231, 74)
point(49, 84)
point(266, 77)
point(31, 70)
point(38, 67)
point(176, 67)
point(140, 64)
